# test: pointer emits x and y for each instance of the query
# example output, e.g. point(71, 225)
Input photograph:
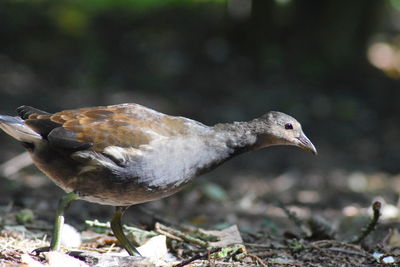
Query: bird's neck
point(241, 136)
point(225, 141)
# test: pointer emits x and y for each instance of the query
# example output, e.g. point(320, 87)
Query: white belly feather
point(177, 160)
point(169, 161)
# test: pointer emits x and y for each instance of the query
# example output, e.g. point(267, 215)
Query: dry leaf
point(59, 259)
point(226, 237)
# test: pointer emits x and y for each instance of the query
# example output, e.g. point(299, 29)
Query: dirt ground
point(288, 219)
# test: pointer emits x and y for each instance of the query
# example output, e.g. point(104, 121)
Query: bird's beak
point(306, 144)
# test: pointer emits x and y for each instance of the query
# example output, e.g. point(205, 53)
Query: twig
point(270, 246)
point(296, 220)
point(291, 264)
point(111, 247)
point(198, 257)
point(255, 257)
point(334, 245)
point(336, 258)
point(168, 221)
point(162, 228)
point(96, 223)
point(100, 250)
point(168, 234)
point(346, 251)
point(376, 207)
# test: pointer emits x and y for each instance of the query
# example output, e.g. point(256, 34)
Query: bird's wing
point(125, 125)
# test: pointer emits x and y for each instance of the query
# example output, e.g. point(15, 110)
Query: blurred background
point(334, 65)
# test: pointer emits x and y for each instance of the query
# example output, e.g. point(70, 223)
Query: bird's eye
point(288, 126)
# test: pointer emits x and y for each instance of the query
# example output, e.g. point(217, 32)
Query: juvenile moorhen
point(127, 154)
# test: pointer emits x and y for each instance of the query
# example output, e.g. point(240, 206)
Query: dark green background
point(214, 61)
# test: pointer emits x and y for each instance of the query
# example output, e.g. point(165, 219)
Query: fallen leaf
point(28, 261)
point(226, 237)
point(155, 247)
point(59, 259)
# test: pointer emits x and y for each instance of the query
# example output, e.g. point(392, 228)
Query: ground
point(293, 218)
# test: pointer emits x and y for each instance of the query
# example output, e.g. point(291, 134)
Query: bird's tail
point(16, 127)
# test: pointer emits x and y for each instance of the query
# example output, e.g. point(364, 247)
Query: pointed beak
point(306, 144)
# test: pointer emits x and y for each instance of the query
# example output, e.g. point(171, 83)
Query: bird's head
point(277, 128)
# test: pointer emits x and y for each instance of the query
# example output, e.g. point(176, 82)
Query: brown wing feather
point(26, 111)
point(37, 120)
point(126, 125)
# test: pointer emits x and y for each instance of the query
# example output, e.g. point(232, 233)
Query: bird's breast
point(173, 162)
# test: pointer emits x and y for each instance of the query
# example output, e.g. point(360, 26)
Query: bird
point(126, 154)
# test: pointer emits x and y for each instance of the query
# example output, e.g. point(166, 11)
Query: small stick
point(376, 207)
point(329, 255)
point(96, 223)
point(168, 234)
point(346, 251)
point(257, 259)
point(334, 244)
point(198, 257)
point(270, 246)
point(162, 228)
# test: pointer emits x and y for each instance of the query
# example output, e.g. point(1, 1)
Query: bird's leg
point(59, 220)
point(64, 203)
point(116, 227)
